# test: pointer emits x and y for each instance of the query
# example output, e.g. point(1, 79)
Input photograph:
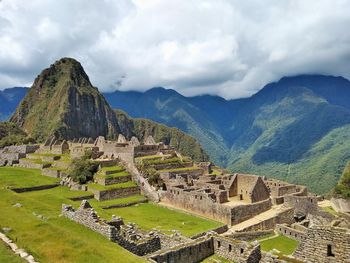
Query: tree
point(83, 169)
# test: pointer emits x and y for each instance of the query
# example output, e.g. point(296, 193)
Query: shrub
point(83, 169)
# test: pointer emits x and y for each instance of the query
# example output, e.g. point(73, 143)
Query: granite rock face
point(63, 102)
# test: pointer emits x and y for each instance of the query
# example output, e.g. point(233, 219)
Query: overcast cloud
point(228, 48)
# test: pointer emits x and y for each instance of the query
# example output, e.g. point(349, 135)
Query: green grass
point(129, 199)
point(54, 239)
point(150, 215)
point(283, 244)
point(216, 259)
point(37, 161)
point(150, 157)
point(114, 175)
point(113, 168)
point(330, 210)
point(180, 169)
point(46, 154)
point(110, 187)
point(8, 256)
point(14, 177)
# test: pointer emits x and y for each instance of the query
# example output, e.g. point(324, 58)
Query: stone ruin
point(228, 198)
point(10, 155)
point(128, 236)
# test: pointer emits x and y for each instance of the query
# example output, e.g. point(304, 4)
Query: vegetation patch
point(342, 189)
point(82, 169)
point(180, 169)
point(15, 177)
point(281, 243)
point(149, 216)
point(116, 168)
point(124, 200)
point(49, 237)
point(8, 256)
point(330, 210)
point(110, 187)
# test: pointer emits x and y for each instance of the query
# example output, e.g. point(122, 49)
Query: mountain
point(9, 99)
point(342, 189)
point(63, 102)
point(296, 129)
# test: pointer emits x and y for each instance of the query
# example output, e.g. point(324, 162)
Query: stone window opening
point(242, 250)
point(219, 244)
point(329, 251)
point(229, 248)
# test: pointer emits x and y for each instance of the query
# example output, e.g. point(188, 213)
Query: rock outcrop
point(63, 102)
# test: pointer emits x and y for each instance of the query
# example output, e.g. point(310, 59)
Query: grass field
point(283, 244)
point(330, 210)
point(22, 177)
point(52, 238)
point(124, 200)
point(150, 215)
point(8, 256)
point(112, 186)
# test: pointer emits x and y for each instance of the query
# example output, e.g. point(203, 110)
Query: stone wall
point(250, 235)
point(128, 236)
point(243, 212)
point(51, 173)
point(219, 230)
point(341, 205)
point(199, 203)
point(102, 180)
point(302, 204)
point(192, 252)
point(34, 188)
point(283, 217)
point(325, 244)
point(290, 232)
point(235, 250)
point(102, 195)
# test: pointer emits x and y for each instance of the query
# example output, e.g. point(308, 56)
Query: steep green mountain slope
point(142, 128)
point(11, 134)
point(295, 129)
point(172, 109)
point(63, 102)
point(342, 189)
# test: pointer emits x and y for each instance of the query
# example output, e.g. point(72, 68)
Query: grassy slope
point(319, 169)
point(55, 239)
point(22, 177)
point(150, 215)
point(284, 244)
point(8, 256)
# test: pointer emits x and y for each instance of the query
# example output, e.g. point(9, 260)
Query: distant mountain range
point(9, 100)
point(296, 129)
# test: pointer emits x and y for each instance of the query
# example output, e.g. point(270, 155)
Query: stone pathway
point(18, 251)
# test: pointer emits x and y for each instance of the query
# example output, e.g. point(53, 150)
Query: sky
point(227, 48)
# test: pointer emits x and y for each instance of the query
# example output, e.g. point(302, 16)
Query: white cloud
point(229, 48)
